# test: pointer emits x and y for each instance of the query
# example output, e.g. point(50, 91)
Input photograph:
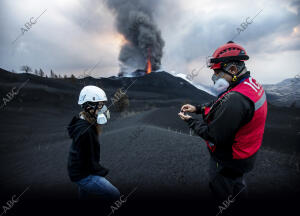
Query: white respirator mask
point(103, 115)
point(220, 84)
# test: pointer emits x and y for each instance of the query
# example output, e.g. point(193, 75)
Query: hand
point(188, 108)
point(184, 117)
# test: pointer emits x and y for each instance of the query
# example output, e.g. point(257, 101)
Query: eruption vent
point(149, 67)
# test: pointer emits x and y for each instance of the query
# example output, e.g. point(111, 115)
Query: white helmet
point(91, 94)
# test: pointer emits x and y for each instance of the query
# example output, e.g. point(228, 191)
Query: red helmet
point(225, 54)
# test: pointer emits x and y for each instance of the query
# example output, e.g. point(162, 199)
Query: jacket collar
point(239, 80)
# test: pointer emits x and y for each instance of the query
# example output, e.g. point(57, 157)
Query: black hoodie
point(84, 155)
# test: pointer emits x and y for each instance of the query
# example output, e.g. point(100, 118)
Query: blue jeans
point(97, 187)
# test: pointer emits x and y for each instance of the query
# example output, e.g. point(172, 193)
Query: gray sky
point(74, 35)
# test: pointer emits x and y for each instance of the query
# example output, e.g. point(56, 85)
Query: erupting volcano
point(134, 21)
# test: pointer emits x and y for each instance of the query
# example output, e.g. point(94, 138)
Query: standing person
point(84, 156)
point(233, 125)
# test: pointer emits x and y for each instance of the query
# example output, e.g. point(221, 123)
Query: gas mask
point(220, 84)
point(103, 115)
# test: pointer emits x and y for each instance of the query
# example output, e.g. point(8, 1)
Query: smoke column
point(135, 22)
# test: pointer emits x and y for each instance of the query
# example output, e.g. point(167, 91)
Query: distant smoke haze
point(135, 22)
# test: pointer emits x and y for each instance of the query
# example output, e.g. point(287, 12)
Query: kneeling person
point(84, 156)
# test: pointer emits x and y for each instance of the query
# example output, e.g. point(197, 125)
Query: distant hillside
point(285, 93)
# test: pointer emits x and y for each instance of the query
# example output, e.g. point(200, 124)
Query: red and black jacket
point(234, 124)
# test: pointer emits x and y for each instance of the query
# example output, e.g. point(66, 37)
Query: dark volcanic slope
point(147, 147)
point(158, 161)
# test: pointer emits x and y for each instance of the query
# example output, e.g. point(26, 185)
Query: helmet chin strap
point(234, 77)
